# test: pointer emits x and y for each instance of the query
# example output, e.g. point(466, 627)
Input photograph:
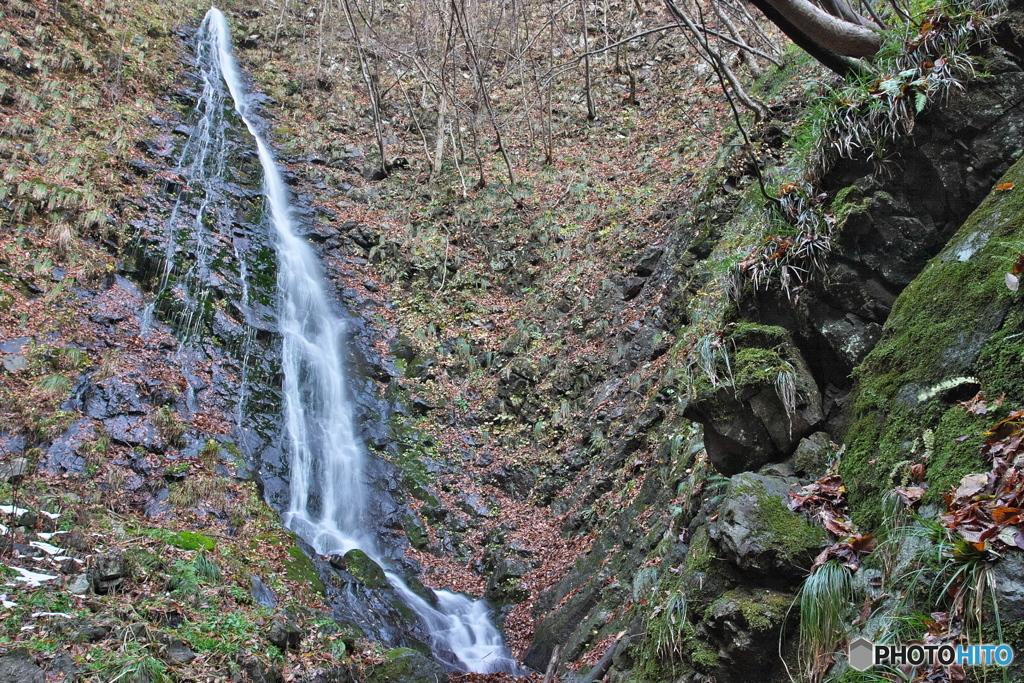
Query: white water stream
point(328, 498)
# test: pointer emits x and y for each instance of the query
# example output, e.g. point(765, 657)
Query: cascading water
point(193, 253)
point(327, 505)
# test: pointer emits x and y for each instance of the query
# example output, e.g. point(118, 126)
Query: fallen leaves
point(988, 507)
point(1012, 281)
point(825, 500)
point(910, 494)
point(978, 406)
point(848, 551)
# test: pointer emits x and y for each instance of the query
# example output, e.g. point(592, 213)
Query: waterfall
point(328, 500)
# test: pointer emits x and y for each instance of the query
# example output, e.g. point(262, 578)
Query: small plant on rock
point(824, 599)
point(169, 427)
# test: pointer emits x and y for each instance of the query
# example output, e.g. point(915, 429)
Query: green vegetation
point(170, 428)
point(961, 298)
point(786, 534)
point(825, 598)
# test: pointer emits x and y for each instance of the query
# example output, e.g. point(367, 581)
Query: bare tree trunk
point(481, 182)
point(549, 142)
point(587, 87)
point(460, 17)
point(415, 120)
point(371, 86)
point(760, 111)
point(624, 59)
point(280, 21)
point(833, 33)
point(745, 55)
point(442, 109)
point(839, 63)
point(552, 669)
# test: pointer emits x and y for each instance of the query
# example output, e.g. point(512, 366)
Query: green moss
point(398, 652)
point(748, 334)
point(701, 552)
point(415, 531)
point(365, 569)
point(186, 540)
point(703, 655)
point(301, 569)
point(764, 610)
point(420, 493)
point(404, 665)
point(958, 319)
point(848, 202)
point(784, 532)
point(757, 366)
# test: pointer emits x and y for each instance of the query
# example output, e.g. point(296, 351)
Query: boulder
point(14, 470)
point(406, 666)
point(133, 431)
point(261, 592)
point(756, 420)
point(173, 650)
point(108, 572)
point(285, 633)
point(631, 289)
point(78, 585)
point(362, 567)
point(337, 674)
point(111, 397)
point(17, 666)
point(1009, 583)
point(813, 455)
point(758, 533)
point(14, 362)
point(648, 261)
point(257, 671)
point(63, 668)
point(65, 454)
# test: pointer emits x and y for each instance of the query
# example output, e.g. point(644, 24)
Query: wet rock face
point(1010, 587)
point(889, 225)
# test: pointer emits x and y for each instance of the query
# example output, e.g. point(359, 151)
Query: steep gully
point(832, 328)
point(328, 498)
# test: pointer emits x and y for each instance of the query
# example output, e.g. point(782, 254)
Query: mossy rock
point(365, 569)
point(760, 609)
point(953, 330)
point(756, 366)
point(185, 540)
point(748, 334)
point(188, 540)
point(404, 665)
point(301, 569)
point(751, 422)
point(416, 532)
point(758, 532)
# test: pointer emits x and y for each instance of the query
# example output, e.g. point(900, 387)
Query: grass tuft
point(824, 598)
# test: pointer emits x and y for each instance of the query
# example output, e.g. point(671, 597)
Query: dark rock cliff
point(702, 578)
